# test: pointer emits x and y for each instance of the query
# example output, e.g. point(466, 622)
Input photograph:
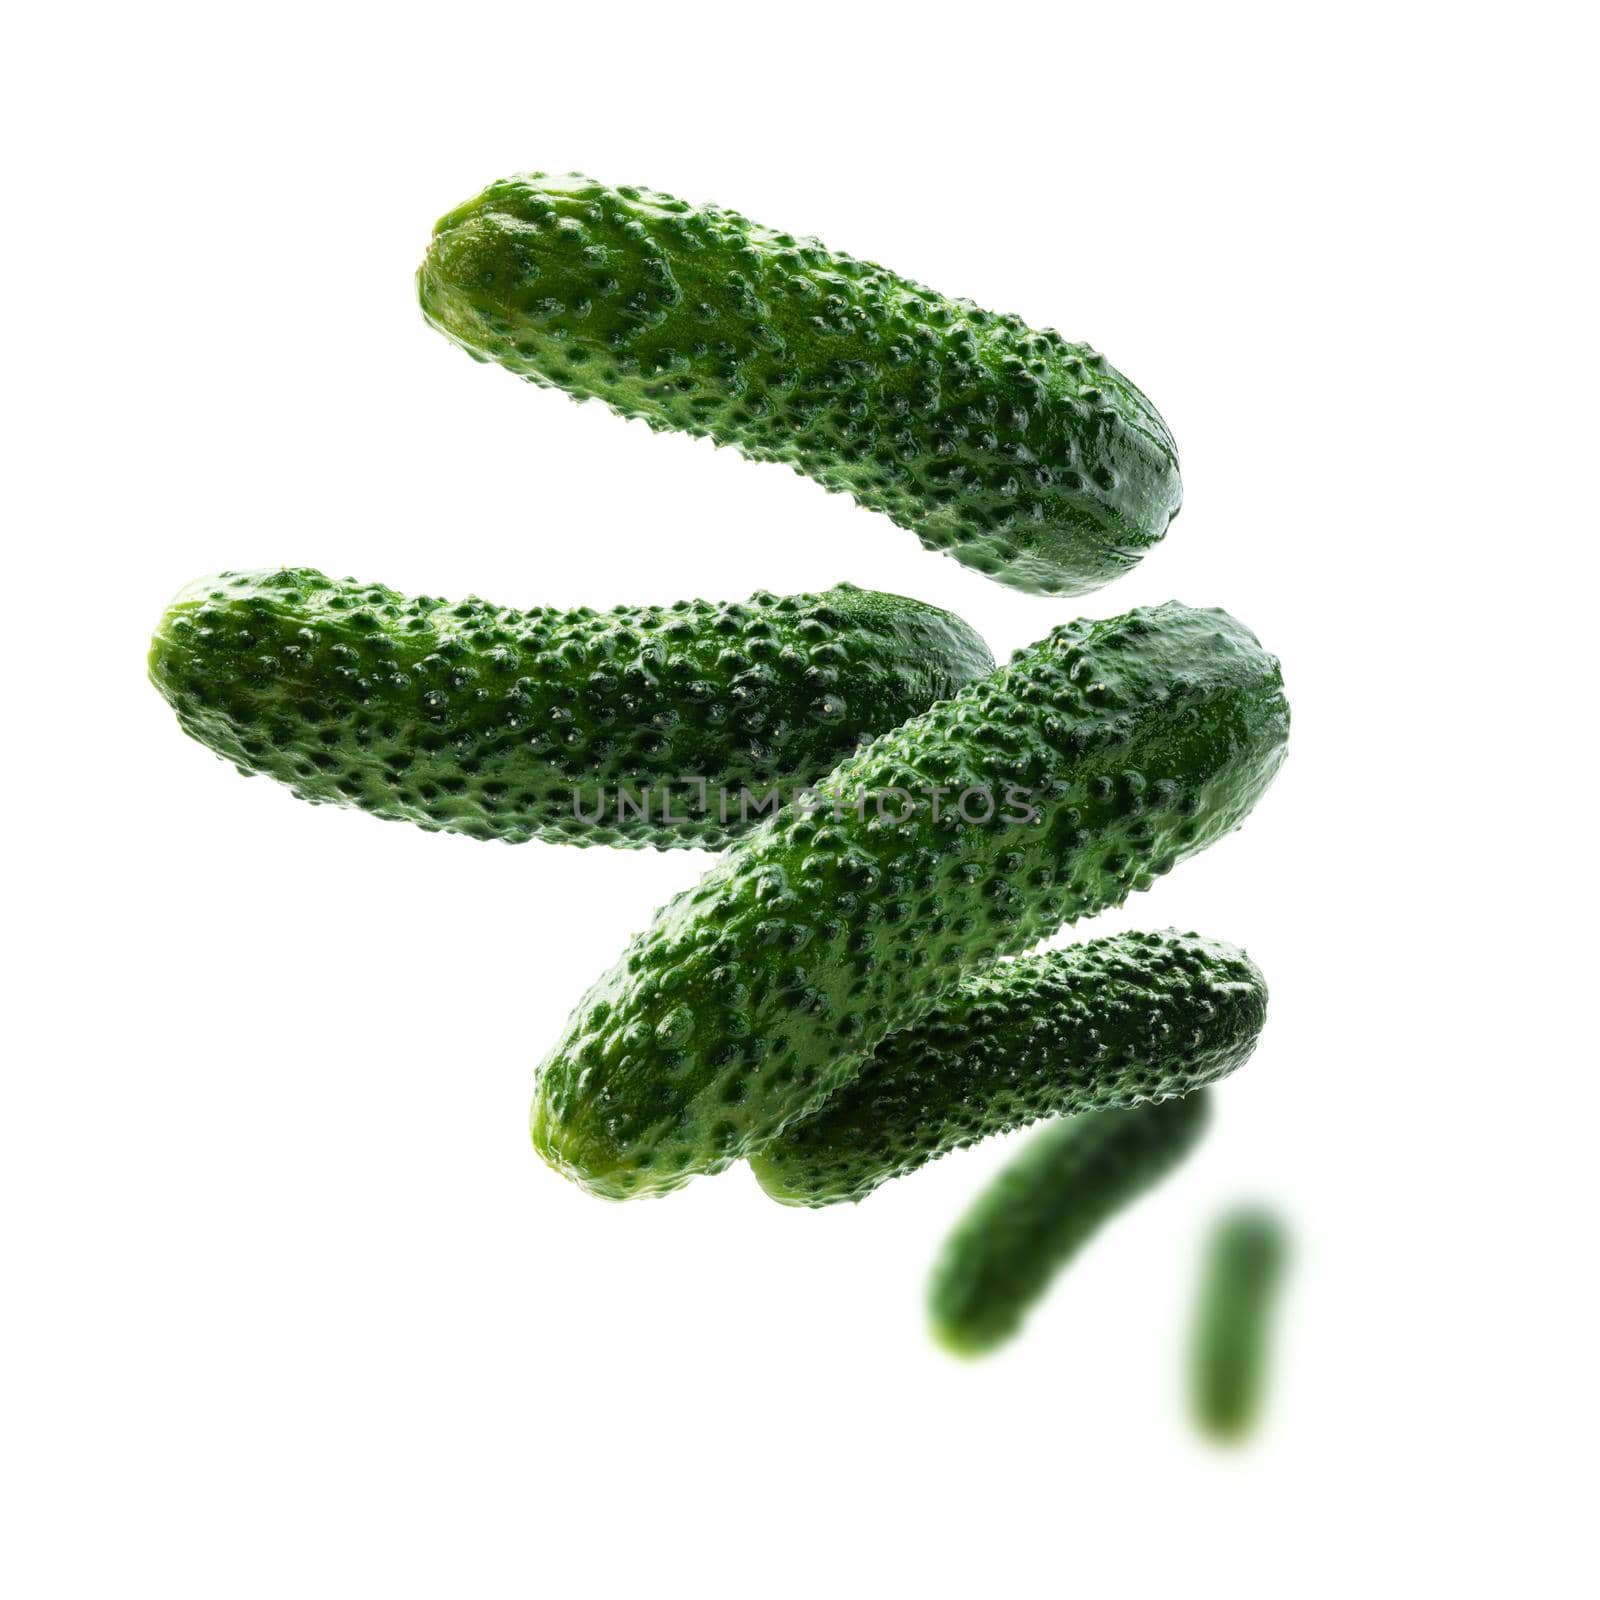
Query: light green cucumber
point(1246, 1257)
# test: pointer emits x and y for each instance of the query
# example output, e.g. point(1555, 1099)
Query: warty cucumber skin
point(756, 994)
point(1071, 1178)
point(1116, 1022)
point(484, 720)
point(1246, 1257)
point(1025, 457)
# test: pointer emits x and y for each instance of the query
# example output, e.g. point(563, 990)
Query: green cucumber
point(1023, 456)
point(1246, 1256)
point(1071, 1177)
point(1126, 745)
point(1121, 1021)
point(665, 726)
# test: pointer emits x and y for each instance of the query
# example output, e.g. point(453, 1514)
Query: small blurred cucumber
point(1245, 1262)
point(1115, 1022)
point(1071, 1177)
point(1023, 456)
point(659, 726)
point(1092, 763)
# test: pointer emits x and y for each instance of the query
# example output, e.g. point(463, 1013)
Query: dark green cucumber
point(1070, 1178)
point(1127, 744)
point(1116, 1022)
point(1021, 455)
point(1245, 1261)
point(645, 725)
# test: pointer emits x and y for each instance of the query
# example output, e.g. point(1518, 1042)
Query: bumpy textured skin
point(486, 721)
point(1026, 457)
point(1245, 1262)
point(1116, 1022)
point(756, 994)
point(1070, 1178)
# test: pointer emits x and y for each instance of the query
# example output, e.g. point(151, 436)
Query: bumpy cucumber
point(1245, 1261)
point(1070, 1178)
point(645, 725)
point(1133, 743)
point(1116, 1022)
point(1023, 456)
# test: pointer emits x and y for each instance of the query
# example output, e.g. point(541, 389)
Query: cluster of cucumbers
point(833, 1002)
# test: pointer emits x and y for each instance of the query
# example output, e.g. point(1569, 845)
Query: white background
point(292, 1308)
